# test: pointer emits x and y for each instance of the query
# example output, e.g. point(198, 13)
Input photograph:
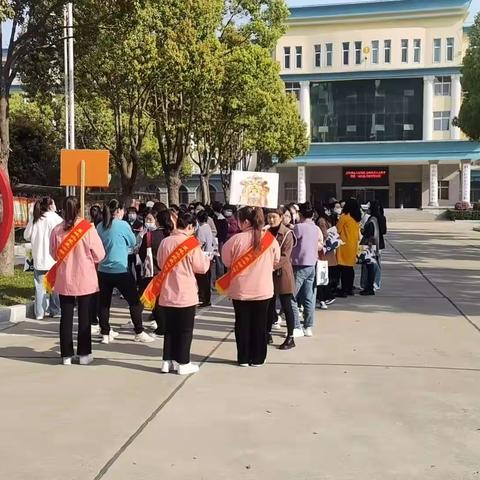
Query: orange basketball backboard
point(96, 168)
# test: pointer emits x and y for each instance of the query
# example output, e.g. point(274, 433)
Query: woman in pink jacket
point(76, 247)
point(181, 255)
point(252, 287)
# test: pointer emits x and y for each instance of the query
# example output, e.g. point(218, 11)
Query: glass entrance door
point(365, 195)
point(408, 195)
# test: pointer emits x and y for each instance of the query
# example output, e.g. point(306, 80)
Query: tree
point(469, 117)
point(32, 21)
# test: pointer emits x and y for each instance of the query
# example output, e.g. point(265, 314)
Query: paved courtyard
point(389, 388)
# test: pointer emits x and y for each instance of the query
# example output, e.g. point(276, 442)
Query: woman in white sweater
point(43, 220)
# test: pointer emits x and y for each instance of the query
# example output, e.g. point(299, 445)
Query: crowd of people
point(273, 264)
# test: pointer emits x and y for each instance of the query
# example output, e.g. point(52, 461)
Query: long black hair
point(109, 210)
point(257, 220)
point(71, 209)
point(41, 207)
point(352, 207)
point(96, 214)
point(185, 219)
point(164, 218)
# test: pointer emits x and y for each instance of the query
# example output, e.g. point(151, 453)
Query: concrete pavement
point(387, 389)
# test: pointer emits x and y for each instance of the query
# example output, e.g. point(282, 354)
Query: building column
point(456, 105)
point(433, 201)
point(466, 180)
point(428, 108)
point(302, 184)
point(305, 104)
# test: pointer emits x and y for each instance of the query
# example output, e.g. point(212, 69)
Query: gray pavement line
point(145, 424)
point(419, 270)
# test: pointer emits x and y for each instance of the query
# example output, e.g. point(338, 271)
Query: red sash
point(247, 259)
point(154, 288)
point(68, 244)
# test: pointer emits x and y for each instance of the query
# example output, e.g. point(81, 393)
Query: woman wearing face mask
point(233, 227)
point(42, 222)
point(180, 258)
point(117, 238)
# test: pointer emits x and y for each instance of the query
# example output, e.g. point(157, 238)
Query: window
point(329, 54)
point(298, 57)
point(450, 47)
point(405, 51)
point(443, 187)
point(375, 51)
point(387, 49)
point(441, 121)
point(417, 50)
point(318, 55)
point(358, 53)
point(437, 50)
point(442, 86)
point(291, 192)
point(286, 57)
point(293, 88)
point(346, 53)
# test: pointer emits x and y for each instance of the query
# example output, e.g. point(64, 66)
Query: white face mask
point(150, 226)
point(338, 211)
point(227, 213)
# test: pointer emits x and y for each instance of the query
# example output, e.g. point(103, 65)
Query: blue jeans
point(305, 294)
point(43, 301)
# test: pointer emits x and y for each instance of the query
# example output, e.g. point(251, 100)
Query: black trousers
point(204, 287)
point(84, 341)
point(158, 313)
point(323, 292)
point(178, 333)
point(95, 309)
point(347, 274)
point(126, 284)
point(286, 303)
point(370, 277)
point(250, 326)
point(333, 280)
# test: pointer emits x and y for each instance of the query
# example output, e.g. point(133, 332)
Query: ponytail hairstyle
point(71, 209)
point(109, 211)
point(96, 214)
point(185, 219)
point(41, 207)
point(257, 221)
point(164, 219)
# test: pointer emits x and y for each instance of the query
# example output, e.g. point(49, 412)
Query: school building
point(378, 85)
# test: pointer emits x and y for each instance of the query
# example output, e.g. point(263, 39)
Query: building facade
point(378, 85)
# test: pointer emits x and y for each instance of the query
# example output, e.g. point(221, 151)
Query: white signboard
point(256, 189)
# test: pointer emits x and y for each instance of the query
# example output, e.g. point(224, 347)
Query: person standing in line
point(251, 257)
point(118, 238)
point(348, 227)
point(232, 221)
point(283, 278)
point(76, 248)
point(96, 218)
point(221, 225)
point(205, 237)
point(42, 222)
point(180, 258)
point(304, 260)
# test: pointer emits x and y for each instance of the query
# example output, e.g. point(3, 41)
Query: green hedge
point(17, 289)
point(463, 214)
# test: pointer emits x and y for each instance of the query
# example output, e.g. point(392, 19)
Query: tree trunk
point(7, 256)
point(173, 184)
point(205, 184)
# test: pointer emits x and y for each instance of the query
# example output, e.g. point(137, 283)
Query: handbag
point(147, 266)
point(322, 273)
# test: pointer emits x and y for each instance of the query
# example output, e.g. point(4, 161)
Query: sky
point(474, 8)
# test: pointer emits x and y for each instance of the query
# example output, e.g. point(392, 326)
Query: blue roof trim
point(376, 8)
point(372, 74)
point(387, 152)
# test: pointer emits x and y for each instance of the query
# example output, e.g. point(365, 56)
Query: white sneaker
point(56, 315)
point(144, 338)
point(277, 326)
point(187, 369)
point(298, 332)
point(153, 325)
point(106, 339)
point(323, 306)
point(86, 359)
point(113, 334)
point(258, 364)
point(309, 332)
point(166, 366)
point(39, 318)
point(244, 365)
point(67, 360)
point(95, 329)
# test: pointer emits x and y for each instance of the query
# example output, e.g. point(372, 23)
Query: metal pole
point(67, 108)
point(71, 83)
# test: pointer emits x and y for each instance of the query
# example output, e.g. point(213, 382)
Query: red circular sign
point(6, 221)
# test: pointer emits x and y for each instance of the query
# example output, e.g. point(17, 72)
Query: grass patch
point(16, 290)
